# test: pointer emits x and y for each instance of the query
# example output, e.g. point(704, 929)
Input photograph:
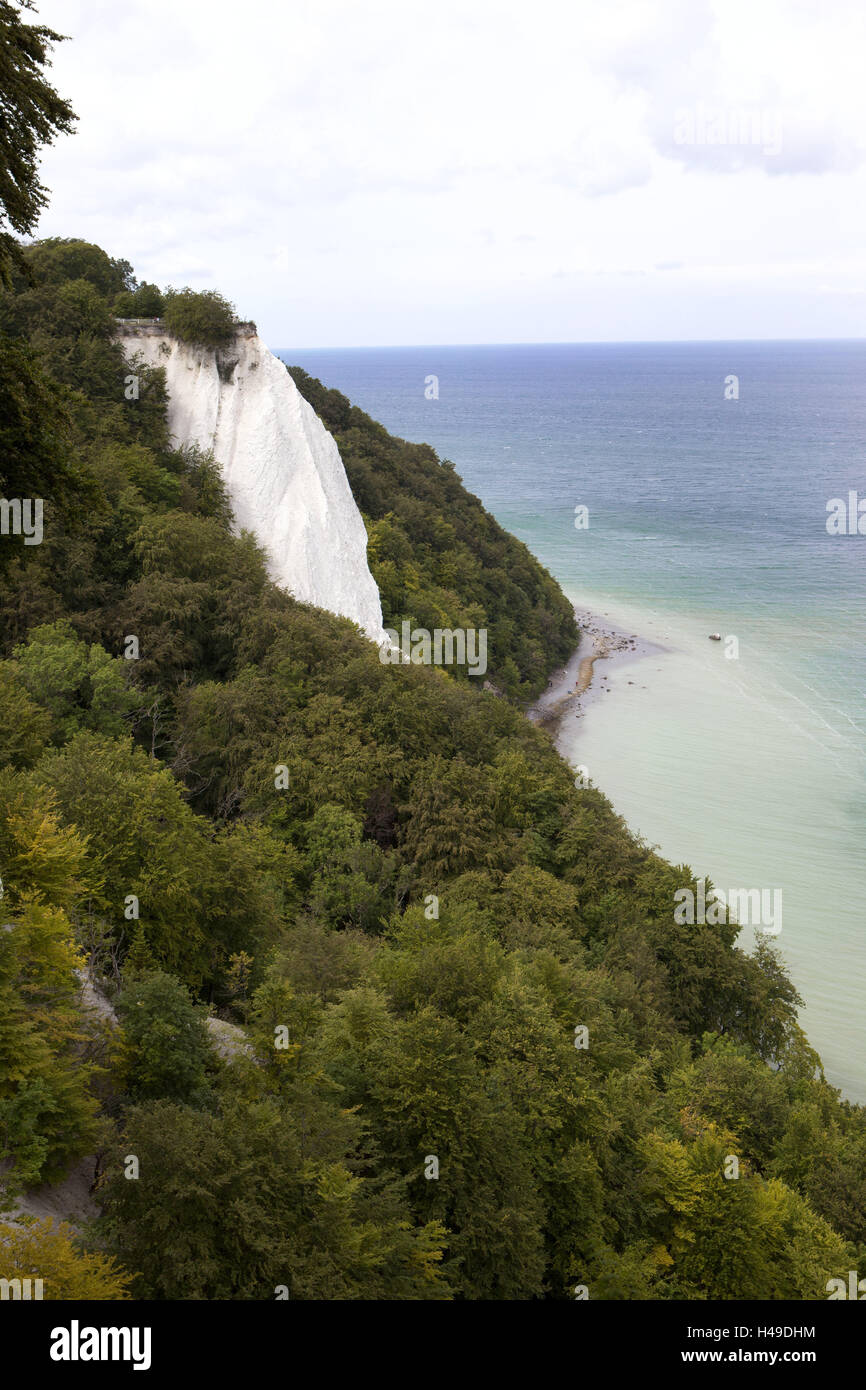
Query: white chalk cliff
point(282, 469)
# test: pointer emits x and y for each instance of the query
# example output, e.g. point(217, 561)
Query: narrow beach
point(572, 687)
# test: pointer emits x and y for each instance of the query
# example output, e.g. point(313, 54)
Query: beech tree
point(32, 116)
point(48, 1113)
point(255, 1200)
point(165, 1047)
point(203, 318)
point(46, 1250)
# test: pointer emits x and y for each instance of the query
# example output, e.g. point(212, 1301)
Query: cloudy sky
point(466, 171)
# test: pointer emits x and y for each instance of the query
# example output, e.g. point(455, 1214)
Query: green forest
point(466, 1052)
point(401, 1011)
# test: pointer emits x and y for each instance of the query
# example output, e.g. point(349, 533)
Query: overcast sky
point(457, 171)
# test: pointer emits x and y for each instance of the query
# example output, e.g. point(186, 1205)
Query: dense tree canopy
point(44, 1250)
point(146, 302)
point(201, 317)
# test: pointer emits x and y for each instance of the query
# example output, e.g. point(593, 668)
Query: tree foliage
point(462, 1048)
point(48, 1111)
point(165, 1047)
point(31, 1249)
point(200, 317)
point(33, 115)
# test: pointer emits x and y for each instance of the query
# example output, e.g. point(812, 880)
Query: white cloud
point(412, 173)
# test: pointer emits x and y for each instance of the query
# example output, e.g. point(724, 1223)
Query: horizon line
point(568, 342)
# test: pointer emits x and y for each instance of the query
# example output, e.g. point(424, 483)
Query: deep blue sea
point(745, 759)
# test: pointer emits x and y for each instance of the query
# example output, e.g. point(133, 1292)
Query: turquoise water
point(705, 514)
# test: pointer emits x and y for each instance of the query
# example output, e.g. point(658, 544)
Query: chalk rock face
point(282, 469)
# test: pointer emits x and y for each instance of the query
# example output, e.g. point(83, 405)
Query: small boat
point(715, 637)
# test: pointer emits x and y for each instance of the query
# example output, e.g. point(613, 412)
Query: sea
point(676, 490)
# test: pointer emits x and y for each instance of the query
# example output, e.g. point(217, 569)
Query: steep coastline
point(425, 892)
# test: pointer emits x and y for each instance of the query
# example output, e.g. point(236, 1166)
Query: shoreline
point(574, 685)
point(655, 760)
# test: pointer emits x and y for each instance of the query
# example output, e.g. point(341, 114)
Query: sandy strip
point(584, 675)
point(567, 687)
